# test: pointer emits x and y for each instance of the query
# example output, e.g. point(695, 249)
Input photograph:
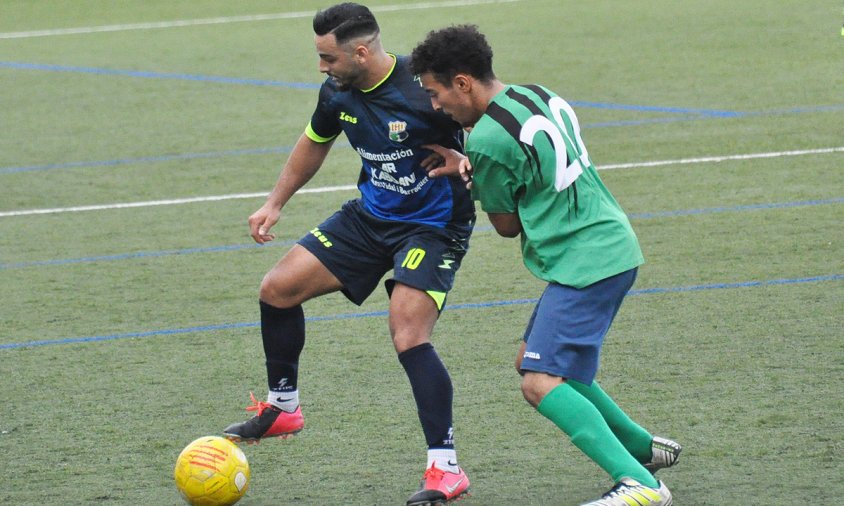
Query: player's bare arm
point(304, 161)
point(443, 161)
point(506, 224)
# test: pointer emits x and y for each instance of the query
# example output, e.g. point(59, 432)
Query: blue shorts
point(568, 325)
point(359, 249)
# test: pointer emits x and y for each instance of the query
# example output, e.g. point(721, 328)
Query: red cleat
point(270, 421)
point(440, 487)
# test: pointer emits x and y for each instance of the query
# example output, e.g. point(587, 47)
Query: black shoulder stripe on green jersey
point(512, 126)
point(544, 95)
point(525, 101)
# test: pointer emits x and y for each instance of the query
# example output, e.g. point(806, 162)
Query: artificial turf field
point(127, 331)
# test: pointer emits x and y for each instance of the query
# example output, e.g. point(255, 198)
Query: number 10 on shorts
point(414, 258)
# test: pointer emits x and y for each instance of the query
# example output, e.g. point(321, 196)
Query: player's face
point(451, 100)
point(338, 62)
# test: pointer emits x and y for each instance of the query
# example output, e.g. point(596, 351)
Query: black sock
point(283, 332)
point(433, 392)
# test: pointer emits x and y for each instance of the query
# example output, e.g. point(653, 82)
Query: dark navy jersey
point(387, 126)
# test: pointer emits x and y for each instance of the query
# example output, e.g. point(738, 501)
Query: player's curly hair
point(459, 49)
point(346, 21)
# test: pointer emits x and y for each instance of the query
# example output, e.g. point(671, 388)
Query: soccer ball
point(212, 471)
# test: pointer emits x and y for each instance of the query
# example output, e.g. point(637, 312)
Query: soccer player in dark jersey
point(405, 221)
point(530, 170)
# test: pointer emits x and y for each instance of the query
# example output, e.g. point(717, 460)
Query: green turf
point(747, 377)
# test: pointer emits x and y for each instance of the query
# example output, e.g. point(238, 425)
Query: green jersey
point(528, 158)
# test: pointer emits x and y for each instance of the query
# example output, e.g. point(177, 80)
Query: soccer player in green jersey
point(529, 168)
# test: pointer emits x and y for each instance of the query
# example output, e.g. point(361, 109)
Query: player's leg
point(556, 400)
point(334, 256)
point(563, 340)
point(413, 314)
point(412, 317)
point(297, 277)
point(423, 274)
point(653, 452)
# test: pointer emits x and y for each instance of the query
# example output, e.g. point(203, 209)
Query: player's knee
point(535, 386)
point(404, 341)
point(530, 391)
point(277, 293)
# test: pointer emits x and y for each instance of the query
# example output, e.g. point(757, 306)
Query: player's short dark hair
point(346, 21)
point(460, 49)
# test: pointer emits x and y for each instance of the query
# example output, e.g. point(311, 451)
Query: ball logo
point(212, 471)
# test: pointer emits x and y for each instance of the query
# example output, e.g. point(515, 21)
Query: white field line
point(327, 189)
point(716, 159)
point(168, 202)
point(234, 19)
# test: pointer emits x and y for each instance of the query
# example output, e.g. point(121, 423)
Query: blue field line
point(661, 109)
point(478, 229)
point(371, 314)
point(157, 75)
point(297, 85)
point(638, 122)
point(145, 254)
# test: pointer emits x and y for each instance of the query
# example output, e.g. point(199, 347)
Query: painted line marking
point(689, 114)
point(725, 209)
point(649, 108)
point(717, 159)
point(168, 202)
point(156, 159)
point(233, 19)
point(455, 307)
point(478, 229)
point(327, 189)
point(146, 74)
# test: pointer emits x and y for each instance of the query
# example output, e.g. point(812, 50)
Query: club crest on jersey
point(398, 130)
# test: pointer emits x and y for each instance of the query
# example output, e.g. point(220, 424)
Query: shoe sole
point(462, 496)
point(234, 438)
point(653, 468)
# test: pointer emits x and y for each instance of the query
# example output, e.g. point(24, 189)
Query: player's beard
point(348, 80)
point(341, 85)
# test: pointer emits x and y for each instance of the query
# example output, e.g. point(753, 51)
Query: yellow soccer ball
point(212, 471)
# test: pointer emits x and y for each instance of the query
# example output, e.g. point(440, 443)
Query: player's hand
point(443, 161)
point(465, 169)
point(261, 222)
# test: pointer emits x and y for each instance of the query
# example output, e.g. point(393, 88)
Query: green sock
point(588, 430)
point(636, 439)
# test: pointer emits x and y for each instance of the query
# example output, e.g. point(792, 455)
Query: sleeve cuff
point(309, 132)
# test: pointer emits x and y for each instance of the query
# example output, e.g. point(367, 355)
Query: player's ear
point(462, 82)
point(361, 53)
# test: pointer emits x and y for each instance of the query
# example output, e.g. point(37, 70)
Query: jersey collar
point(385, 77)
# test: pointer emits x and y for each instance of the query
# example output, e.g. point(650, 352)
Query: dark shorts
point(568, 326)
point(359, 249)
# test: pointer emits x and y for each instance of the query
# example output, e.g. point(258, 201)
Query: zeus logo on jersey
point(347, 117)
